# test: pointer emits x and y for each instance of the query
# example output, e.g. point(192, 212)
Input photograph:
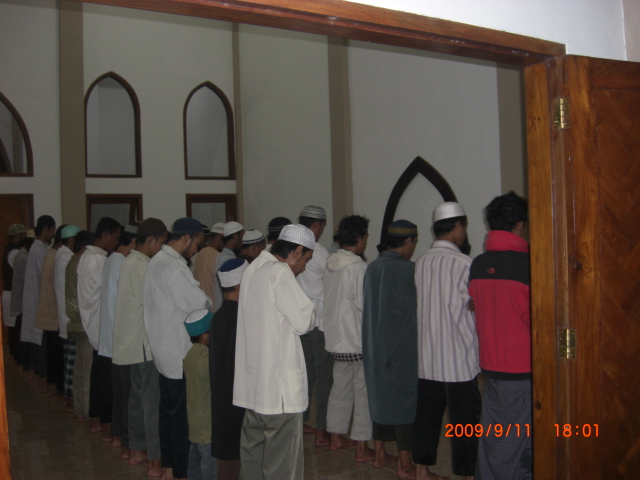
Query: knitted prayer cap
point(230, 228)
point(17, 228)
point(31, 233)
point(69, 231)
point(275, 225)
point(313, 211)
point(186, 226)
point(198, 322)
point(205, 229)
point(218, 228)
point(402, 228)
point(298, 234)
point(448, 210)
point(252, 236)
point(231, 271)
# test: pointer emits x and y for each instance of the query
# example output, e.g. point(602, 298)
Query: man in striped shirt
point(447, 346)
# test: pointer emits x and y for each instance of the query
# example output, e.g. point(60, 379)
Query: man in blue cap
point(170, 294)
point(389, 346)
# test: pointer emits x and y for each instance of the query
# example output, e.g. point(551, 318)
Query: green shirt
point(196, 370)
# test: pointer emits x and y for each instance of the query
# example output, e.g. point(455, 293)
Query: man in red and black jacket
point(499, 286)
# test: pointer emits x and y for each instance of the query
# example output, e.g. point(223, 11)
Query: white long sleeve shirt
point(311, 281)
point(273, 311)
point(63, 255)
point(90, 269)
point(170, 294)
point(108, 303)
point(33, 273)
point(344, 300)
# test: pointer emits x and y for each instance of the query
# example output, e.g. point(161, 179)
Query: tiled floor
point(48, 443)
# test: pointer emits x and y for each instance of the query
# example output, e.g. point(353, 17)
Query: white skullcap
point(218, 228)
point(448, 210)
point(231, 271)
point(230, 228)
point(298, 234)
point(252, 236)
point(313, 211)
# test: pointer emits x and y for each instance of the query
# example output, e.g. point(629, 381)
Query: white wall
point(632, 29)
point(587, 27)
point(29, 79)
point(406, 104)
point(163, 57)
point(285, 121)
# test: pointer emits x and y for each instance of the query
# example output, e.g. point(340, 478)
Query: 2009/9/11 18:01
point(586, 430)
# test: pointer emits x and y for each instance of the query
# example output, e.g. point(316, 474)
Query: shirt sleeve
point(292, 302)
point(186, 294)
point(12, 256)
point(360, 286)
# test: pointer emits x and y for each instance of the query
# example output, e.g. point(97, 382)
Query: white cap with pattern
point(313, 211)
point(298, 234)
point(448, 210)
point(230, 228)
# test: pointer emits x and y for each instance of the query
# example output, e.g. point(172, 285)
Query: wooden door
point(602, 158)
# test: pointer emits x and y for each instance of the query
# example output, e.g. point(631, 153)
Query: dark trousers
point(55, 359)
point(463, 400)
point(29, 354)
point(174, 426)
point(401, 434)
point(14, 341)
point(40, 358)
point(121, 383)
point(101, 393)
point(319, 374)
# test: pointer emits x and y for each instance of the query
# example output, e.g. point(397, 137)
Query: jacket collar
point(446, 244)
point(500, 240)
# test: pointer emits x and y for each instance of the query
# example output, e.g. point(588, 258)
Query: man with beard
point(170, 294)
point(232, 234)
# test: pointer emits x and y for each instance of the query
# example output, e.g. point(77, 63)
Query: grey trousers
point(349, 392)
point(144, 408)
point(271, 447)
point(319, 374)
point(82, 377)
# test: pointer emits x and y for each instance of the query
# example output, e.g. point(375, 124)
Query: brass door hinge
point(561, 119)
point(567, 347)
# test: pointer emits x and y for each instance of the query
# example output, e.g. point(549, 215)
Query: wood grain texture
point(229, 199)
point(544, 259)
point(337, 18)
point(5, 456)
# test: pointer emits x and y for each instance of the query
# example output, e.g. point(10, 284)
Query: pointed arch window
point(16, 157)
point(209, 139)
point(112, 128)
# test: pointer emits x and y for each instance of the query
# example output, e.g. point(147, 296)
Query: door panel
point(603, 145)
point(16, 208)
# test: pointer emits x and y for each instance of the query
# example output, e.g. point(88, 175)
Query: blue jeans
point(202, 466)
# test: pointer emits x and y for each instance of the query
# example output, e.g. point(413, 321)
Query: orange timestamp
point(568, 430)
point(497, 430)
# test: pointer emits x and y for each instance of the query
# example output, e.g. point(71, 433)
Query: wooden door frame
point(547, 183)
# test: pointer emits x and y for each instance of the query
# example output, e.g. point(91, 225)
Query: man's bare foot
point(405, 469)
point(139, 456)
point(339, 441)
point(364, 453)
point(116, 441)
point(125, 452)
point(155, 468)
point(94, 425)
point(307, 429)
point(53, 390)
point(69, 405)
point(167, 474)
point(423, 473)
point(382, 457)
point(322, 438)
point(106, 432)
point(79, 417)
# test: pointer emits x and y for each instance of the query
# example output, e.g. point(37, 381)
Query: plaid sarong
point(69, 349)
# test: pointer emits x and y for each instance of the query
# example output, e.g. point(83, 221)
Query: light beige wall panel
point(285, 123)
point(29, 79)
point(406, 104)
point(163, 57)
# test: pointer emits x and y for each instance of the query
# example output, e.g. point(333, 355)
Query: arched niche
point(112, 128)
point(209, 138)
point(16, 155)
point(419, 166)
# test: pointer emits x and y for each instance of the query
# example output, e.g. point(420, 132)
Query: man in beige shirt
point(132, 361)
point(204, 270)
point(47, 320)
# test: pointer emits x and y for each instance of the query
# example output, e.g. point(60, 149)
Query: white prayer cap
point(252, 236)
point(218, 228)
point(298, 234)
point(230, 228)
point(313, 211)
point(448, 210)
point(231, 271)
